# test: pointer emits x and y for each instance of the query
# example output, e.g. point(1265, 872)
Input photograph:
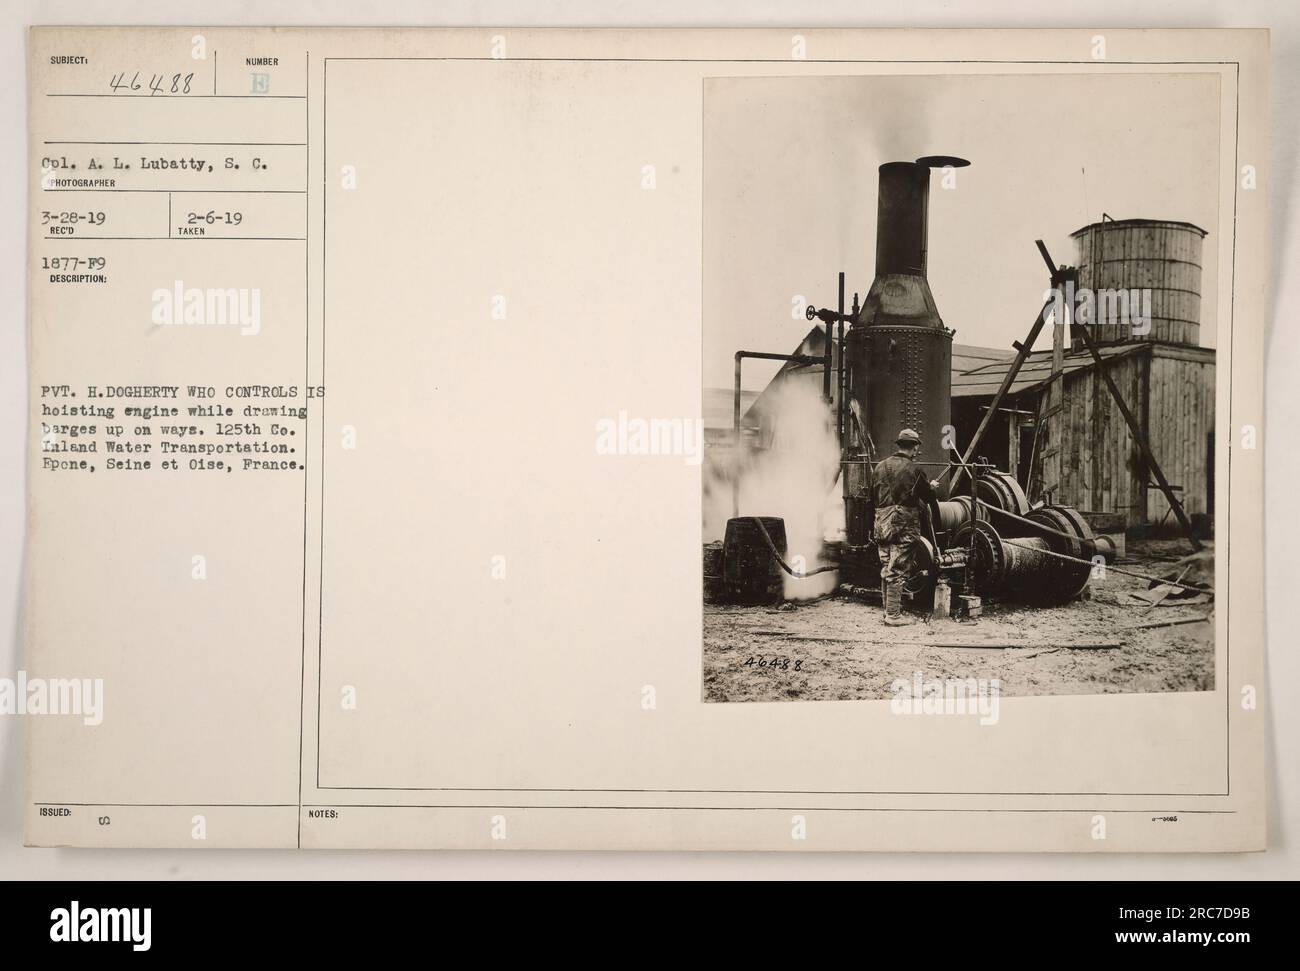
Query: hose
point(776, 555)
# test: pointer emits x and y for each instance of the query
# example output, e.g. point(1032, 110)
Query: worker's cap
point(907, 437)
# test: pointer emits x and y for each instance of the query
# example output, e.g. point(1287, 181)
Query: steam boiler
point(898, 351)
point(983, 539)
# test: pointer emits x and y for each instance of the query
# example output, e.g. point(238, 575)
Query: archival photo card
point(802, 440)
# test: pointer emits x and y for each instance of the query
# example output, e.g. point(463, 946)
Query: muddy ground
point(839, 649)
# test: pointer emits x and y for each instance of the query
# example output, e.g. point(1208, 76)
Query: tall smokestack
point(902, 217)
point(899, 351)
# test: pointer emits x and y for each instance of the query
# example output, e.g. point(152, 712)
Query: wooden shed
point(1098, 468)
point(1064, 436)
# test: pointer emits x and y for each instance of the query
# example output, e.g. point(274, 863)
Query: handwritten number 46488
point(158, 83)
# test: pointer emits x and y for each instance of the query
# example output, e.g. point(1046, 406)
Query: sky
point(790, 191)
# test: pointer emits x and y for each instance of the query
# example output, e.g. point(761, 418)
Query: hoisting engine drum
point(1021, 567)
point(1001, 489)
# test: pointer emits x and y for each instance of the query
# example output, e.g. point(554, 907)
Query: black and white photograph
point(960, 385)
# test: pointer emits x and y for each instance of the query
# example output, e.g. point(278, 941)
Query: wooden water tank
point(1157, 255)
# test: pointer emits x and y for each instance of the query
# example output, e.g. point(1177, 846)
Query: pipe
point(844, 380)
point(735, 413)
point(830, 340)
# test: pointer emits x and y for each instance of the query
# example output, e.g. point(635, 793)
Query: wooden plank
point(1167, 623)
point(1013, 445)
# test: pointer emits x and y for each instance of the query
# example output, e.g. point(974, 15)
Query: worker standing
point(902, 495)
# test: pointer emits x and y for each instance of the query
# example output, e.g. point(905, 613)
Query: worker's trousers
point(897, 530)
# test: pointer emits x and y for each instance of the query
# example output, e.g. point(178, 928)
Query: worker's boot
point(894, 616)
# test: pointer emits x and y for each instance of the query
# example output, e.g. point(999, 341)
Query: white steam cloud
point(792, 475)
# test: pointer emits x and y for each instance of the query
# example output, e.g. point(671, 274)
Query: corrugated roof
point(976, 371)
point(967, 357)
point(1036, 370)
